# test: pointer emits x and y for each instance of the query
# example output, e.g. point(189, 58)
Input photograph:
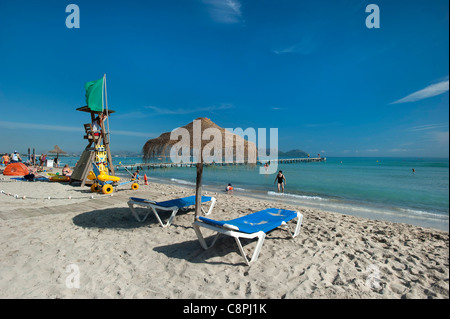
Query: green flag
point(94, 95)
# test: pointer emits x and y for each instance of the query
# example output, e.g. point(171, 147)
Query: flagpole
point(103, 92)
point(108, 136)
point(106, 105)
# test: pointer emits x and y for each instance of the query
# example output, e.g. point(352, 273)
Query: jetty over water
point(192, 164)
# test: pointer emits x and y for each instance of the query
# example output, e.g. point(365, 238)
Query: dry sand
point(47, 244)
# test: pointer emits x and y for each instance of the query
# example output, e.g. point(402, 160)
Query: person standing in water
point(281, 181)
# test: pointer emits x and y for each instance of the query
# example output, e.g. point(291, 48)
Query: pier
point(192, 164)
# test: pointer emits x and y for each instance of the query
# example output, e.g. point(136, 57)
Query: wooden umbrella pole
point(198, 187)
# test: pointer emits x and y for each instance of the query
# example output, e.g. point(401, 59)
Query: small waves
point(294, 196)
point(182, 181)
point(423, 214)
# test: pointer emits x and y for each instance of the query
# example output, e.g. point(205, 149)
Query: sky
point(312, 69)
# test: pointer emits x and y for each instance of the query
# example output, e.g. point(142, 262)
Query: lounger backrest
point(179, 202)
point(183, 202)
point(143, 200)
point(265, 220)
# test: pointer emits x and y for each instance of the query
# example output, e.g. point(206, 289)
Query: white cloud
point(427, 127)
point(437, 138)
point(59, 128)
point(441, 137)
point(225, 11)
point(35, 126)
point(305, 46)
point(429, 91)
point(133, 133)
point(299, 48)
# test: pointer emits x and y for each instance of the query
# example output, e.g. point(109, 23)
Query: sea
point(403, 190)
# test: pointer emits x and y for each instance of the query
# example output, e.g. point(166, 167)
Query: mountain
point(293, 153)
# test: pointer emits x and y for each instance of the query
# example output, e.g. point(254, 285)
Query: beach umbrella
point(57, 150)
point(207, 143)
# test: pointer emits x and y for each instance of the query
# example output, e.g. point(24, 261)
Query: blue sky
point(312, 69)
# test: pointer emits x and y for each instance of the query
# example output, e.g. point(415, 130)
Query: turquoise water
point(377, 188)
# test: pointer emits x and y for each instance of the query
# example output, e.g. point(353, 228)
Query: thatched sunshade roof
point(230, 143)
point(233, 143)
point(57, 150)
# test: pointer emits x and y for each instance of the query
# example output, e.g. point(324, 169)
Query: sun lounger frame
point(153, 207)
point(233, 231)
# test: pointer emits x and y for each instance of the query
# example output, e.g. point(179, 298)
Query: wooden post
point(198, 187)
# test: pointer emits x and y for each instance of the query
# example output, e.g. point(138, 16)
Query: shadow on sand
point(113, 218)
point(188, 250)
point(191, 251)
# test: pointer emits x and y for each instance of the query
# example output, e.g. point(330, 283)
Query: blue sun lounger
point(255, 225)
point(170, 205)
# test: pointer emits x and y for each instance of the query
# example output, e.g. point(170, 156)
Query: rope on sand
point(16, 196)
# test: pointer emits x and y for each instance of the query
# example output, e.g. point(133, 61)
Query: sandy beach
point(86, 247)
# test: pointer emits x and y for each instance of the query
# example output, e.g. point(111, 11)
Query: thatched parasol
point(57, 150)
point(230, 147)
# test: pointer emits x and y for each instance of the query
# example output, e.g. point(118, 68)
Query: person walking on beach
point(281, 181)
